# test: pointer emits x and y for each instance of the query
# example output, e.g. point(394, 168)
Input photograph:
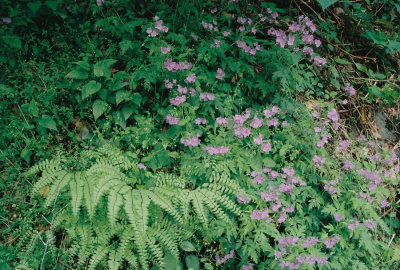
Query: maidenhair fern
point(120, 216)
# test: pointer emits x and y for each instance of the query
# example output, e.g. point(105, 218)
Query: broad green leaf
point(77, 75)
point(342, 61)
point(127, 110)
point(187, 246)
point(26, 154)
point(12, 41)
point(122, 95)
point(192, 262)
point(99, 107)
point(103, 68)
point(34, 6)
point(171, 263)
point(90, 88)
point(326, 3)
point(47, 122)
point(84, 65)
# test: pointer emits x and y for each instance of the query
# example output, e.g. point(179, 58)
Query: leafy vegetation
point(199, 134)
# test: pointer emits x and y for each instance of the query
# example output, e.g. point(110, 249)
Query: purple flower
point(318, 161)
point(228, 256)
point(353, 226)
point(165, 50)
point(275, 207)
point(142, 166)
point(100, 2)
point(182, 90)
point(273, 122)
point(269, 196)
point(191, 78)
point(258, 140)
point(370, 224)
point(191, 140)
point(207, 96)
point(178, 100)
point(286, 188)
point(384, 204)
point(259, 214)
point(222, 121)
point(200, 121)
point(172, 120)
point(289, 171)
point(168, 84)
point(220, 74)
point(266, 147)
point(348, 166)
point(7, 20)
point(311, 241)
point(333, 115)
point(331, 242)
point(350, 89)
point(338, 217)
point(319, 61)
point(226, 33)
point(220, 150)
point(195, 38)
point(243, 200)
point(256, 123)
point(242, 132)
point(176, 66)
point(248, 266)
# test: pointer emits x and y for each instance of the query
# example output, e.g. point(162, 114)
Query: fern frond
point(99, 254)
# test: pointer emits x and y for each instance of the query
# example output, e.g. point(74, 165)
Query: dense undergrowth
point(199, 134)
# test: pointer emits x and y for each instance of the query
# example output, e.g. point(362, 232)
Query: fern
point(111, 218)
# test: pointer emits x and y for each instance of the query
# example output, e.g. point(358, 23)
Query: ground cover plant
point(199, 135)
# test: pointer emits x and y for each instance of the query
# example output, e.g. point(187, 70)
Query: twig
point(391, 239)
point(373, 80)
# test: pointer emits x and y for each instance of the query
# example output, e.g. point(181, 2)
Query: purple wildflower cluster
point(200, 121)
point(228, 256)
point(247, 49)
point(350, 89)
point(207, 96)
point(270, 18)
point(330, 187)
point(331, 242)
point(165, 50)
point(176, 66)
point(176, 101)
point(191, 140)
point(318, 161)
point(172, 120)
point(100, 2)
point(158, 28)
point(210, 26)
point(142, 166)
point(220, 150)
point(220, 74)
point(222, 121)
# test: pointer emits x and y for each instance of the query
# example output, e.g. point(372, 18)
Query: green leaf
point(12, 41)
point(26, 154)
point(171, 263)
point(342, 61)
point(326, 3)
point(103, 68)
point(90, 88)
point(125, 45)
point(127, 110)
point(77, 74)
point(99, 107)
point(122, 95)
point(84, 65)
point(47, 122)
point(187, 246)
point(34, 6)
point(192, 262)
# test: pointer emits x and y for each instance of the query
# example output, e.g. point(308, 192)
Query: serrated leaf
point(90, 88)
point(99, 107)
point(103, 68)
point(47, 122)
